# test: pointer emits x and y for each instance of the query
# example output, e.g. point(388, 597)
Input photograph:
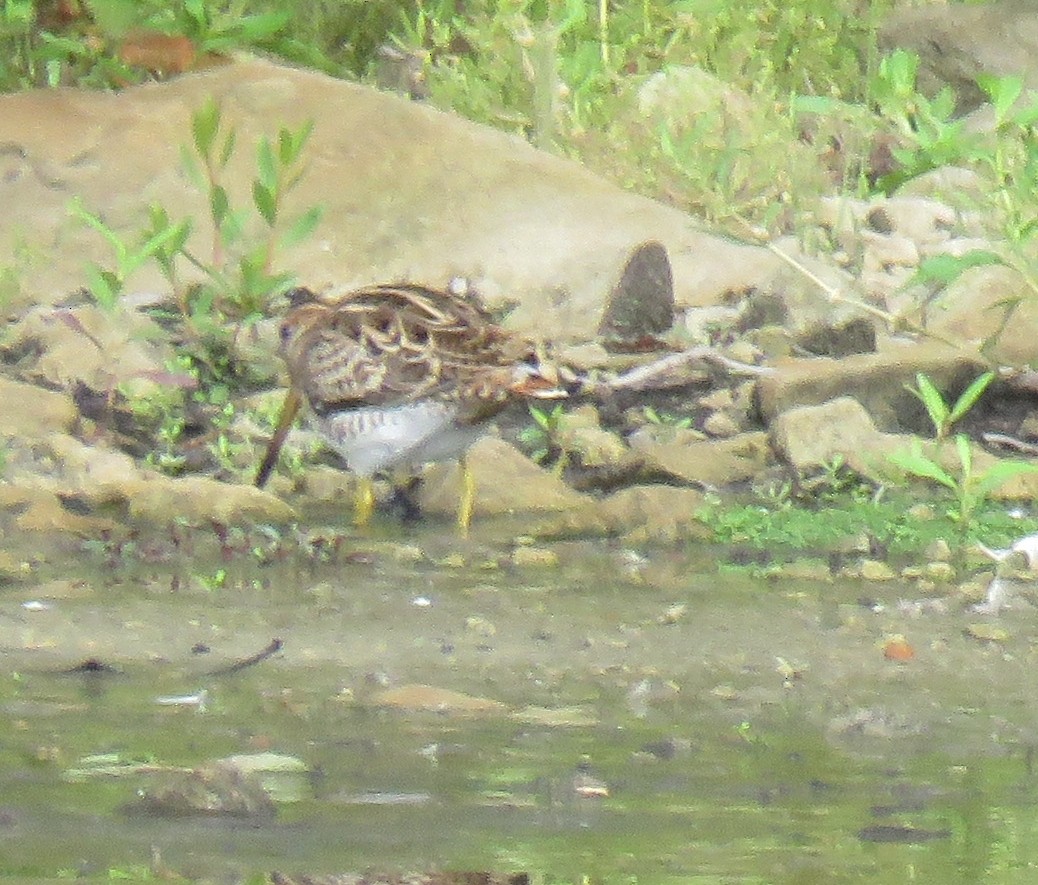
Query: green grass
point(564, 73)
point(890, 523)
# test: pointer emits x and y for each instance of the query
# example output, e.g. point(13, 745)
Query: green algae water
point(628, 717)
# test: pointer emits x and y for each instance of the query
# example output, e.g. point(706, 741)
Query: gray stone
point(877, 381)
point(31, 412)
point(641, 305)
point(809, 437)
point(711, 463)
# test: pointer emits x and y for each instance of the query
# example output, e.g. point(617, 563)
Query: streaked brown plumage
point(400, 375)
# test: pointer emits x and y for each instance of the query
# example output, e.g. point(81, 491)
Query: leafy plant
point(209, 28)
point(106, 285)
point(160, 412)
point(776, 527)
point(570, 75)
point(231, 455)
point(1008, 160)
point(942, 415)
point(92, 43)
point(932, 135)
point(835, 481)
point(212, 582)
point(239, 278)
point(54, 44)
point(968, 487)
point(542, 438)
point(17, 23)
point(241, 273)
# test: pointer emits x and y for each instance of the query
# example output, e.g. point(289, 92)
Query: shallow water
point(743, 730)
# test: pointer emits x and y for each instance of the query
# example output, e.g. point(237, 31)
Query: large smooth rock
point(198, 499)
point(645, 514)
point(974, 308)
point(707, 462)
point(37, 509)
point(409, 193)
point(656, 514)
point(581, 435)
point(109, 482)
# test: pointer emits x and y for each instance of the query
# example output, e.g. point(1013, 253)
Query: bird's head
point(537, 378)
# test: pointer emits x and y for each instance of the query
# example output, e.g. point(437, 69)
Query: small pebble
point(939, 551)
point(673, 614)
point(939, 572)
point(534, 556)
point(987, 632)
point(480, 626)
point(875, 570)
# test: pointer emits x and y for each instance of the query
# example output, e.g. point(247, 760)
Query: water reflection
point(668, 725)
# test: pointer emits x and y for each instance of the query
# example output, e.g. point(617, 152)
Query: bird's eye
point(285, 332)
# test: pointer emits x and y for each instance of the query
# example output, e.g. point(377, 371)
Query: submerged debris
point(904, 835)
point(198, 699)
point(273, 647)
point(212, 790)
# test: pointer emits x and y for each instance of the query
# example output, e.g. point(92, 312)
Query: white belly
point(373, 439)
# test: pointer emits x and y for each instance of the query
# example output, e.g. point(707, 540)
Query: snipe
point(400, 375)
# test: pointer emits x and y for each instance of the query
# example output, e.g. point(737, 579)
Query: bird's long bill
point(538, 382)
point(289, 410)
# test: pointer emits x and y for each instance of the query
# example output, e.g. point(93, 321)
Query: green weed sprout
point(240, 269)
point(106, 285)
point(239, 275)
point(542, 436)
point(969, 488)
point(666, 419)
point(245, 286)
point(1008, 159)
point(933, 138)
point(212, 31)
point(942, 416)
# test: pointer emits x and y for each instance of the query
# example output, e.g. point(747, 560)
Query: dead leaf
point(158, 53)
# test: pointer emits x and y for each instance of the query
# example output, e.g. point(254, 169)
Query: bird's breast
point(374, 438)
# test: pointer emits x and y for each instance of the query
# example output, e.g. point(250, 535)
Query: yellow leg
point(363, 501)
point(468, 498)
